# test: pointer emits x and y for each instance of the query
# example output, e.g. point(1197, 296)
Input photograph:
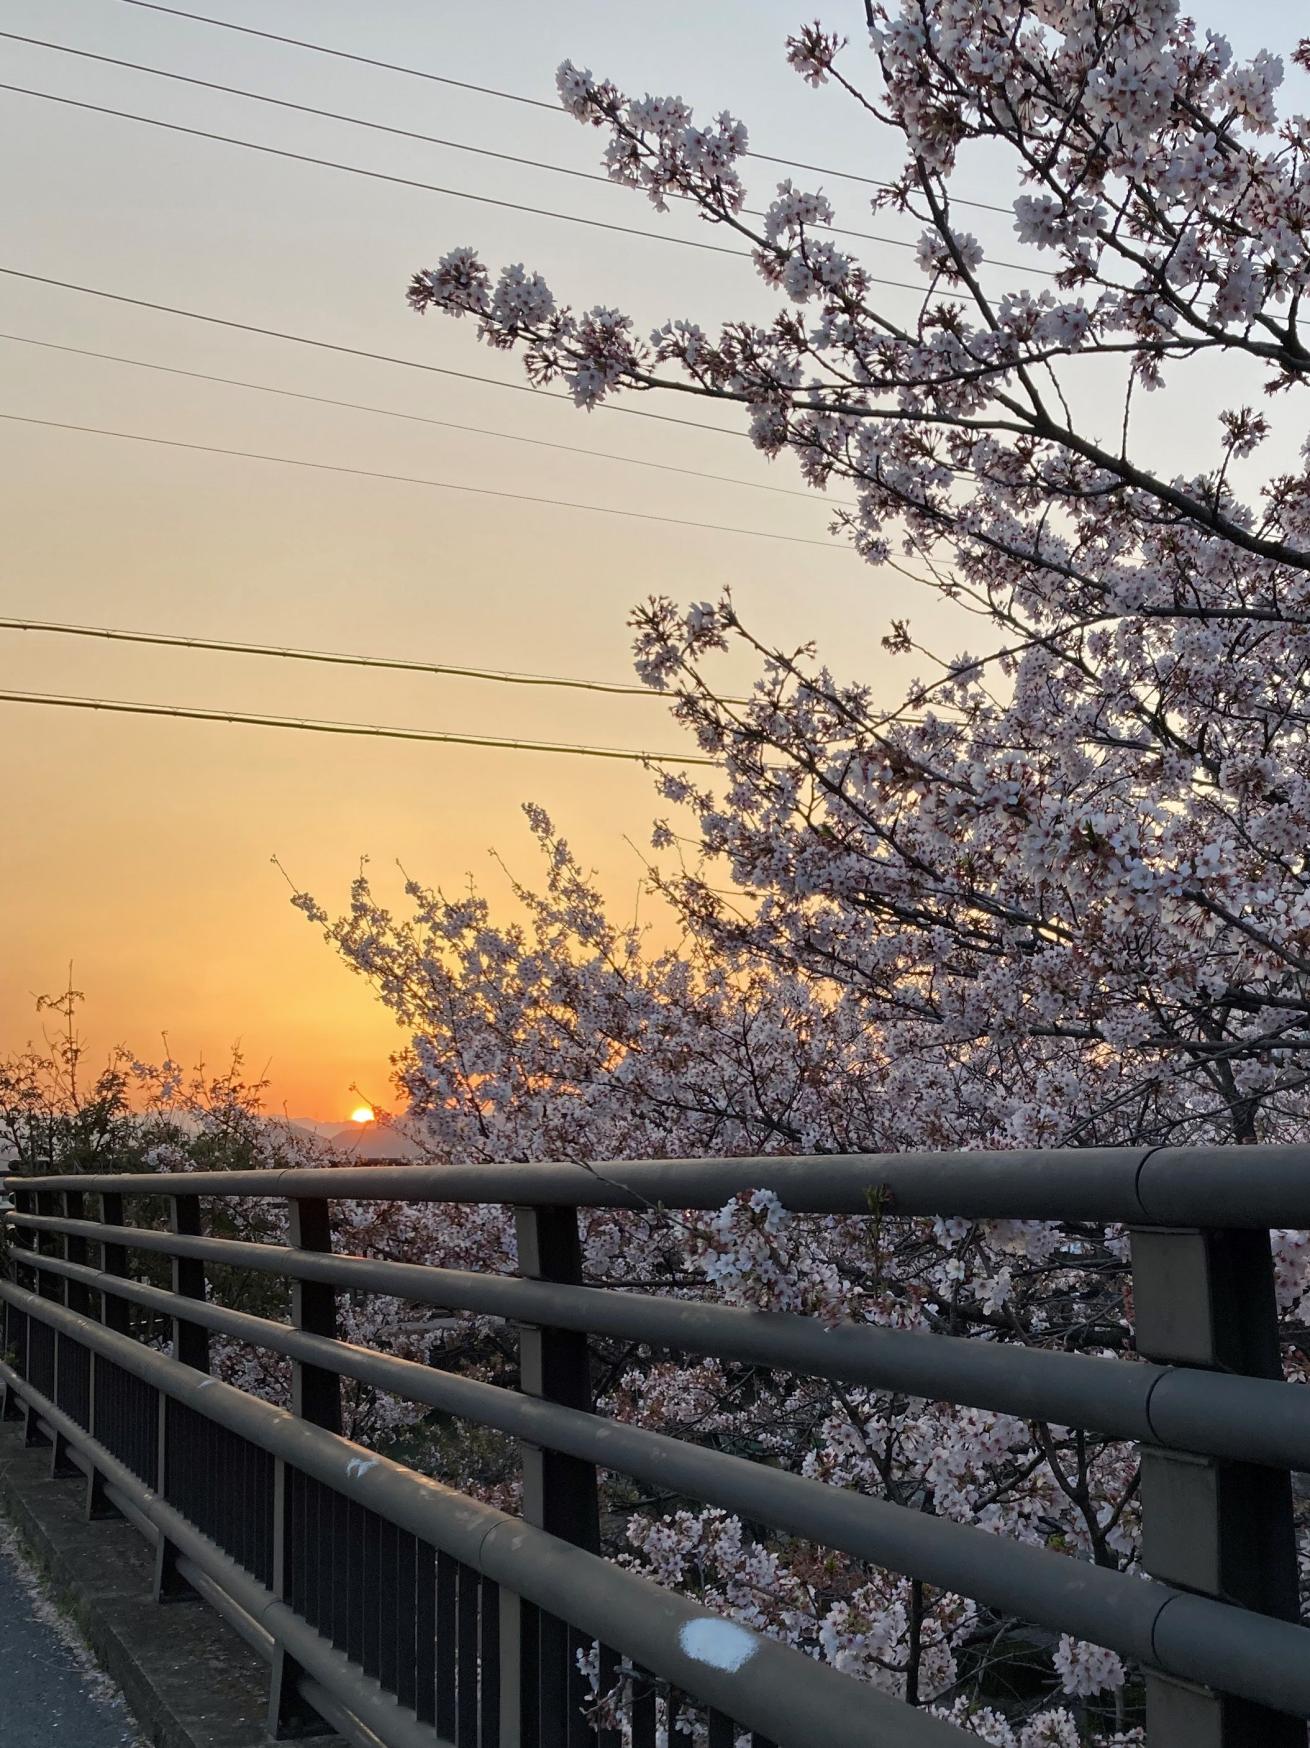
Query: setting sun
point(362, 1114)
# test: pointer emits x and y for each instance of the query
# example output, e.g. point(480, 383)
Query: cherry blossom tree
point(1083, 842)
point(1054, 892)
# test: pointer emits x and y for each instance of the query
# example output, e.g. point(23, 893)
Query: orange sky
point(140, 849)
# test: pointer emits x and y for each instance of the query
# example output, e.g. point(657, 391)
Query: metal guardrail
point(396, 1610)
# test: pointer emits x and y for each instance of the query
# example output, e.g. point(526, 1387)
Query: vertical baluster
point(643, 1710)
point(425, 1633)
point(520, 1662)
point(608, 1737)
point(581, 1734)
point(466, 1657)
point(289, 1713)
point(447, 1645)
point(309, 1555)
point(355, 1624)
point(672, 1712)
point(489, 1664)
point(553, 1681)
point(62, 1466)
point(389, 1606)
point(722, 1731)
point(1211, 1526)
point(97, 1506)
point(342, 1573)
point(371, 1591)
point(407, 1619)
point(323, 1531)
point(175, 1454)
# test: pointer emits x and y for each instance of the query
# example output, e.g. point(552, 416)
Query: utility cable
point(413, 480)
point(489, 90)
point(400, 664)
point(310, 725)
point(169, 309)
point(432, 139)
point(200, 133)
point(571, 218)
point(722, 479)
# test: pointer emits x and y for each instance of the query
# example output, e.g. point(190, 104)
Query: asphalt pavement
point(50, 1690)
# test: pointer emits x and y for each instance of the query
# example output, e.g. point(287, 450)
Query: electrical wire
point(571, 218)
point(311, 725)
point(400, 664)
point(489, 90)
point(200, 133)
point(414, 480)
point(169, 309)
point(723, 479)
point(432, 139)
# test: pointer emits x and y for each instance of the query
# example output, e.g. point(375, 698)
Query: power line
point(413, 480)
point(167, 640)
point(431, 139)
point(412, 418)
point(169, 309)
point(310, 725)
point(199, 133)
point(570, 218)
point(490, 91)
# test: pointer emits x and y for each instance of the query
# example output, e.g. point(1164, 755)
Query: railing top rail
point(1256, 1187)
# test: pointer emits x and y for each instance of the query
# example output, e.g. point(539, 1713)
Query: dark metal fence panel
point(41, 1356)
point(127, 1419)
point(222, 1484)
point(73, 1380)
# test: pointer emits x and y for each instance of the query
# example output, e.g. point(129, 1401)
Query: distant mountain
point(359, 1140)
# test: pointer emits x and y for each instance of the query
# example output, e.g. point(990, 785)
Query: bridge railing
point(396, 1610)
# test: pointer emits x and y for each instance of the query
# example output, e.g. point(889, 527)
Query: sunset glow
point(362, 1114)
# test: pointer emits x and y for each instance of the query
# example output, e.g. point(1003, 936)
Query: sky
point(139, 849)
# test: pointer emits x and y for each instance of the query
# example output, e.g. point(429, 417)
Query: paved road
point(50, 1694)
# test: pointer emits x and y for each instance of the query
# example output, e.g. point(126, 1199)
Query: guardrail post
point(541, 1684)
point(190, 1340)
point(315, 1391)
point(77, 1295)
point(114, 1314)
point(22, 1239)
point(11, 1407)
point(1218, 1528)
point(315, 1396)
point(191, 1347)
point(113, 1261)
point(48, 1286)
